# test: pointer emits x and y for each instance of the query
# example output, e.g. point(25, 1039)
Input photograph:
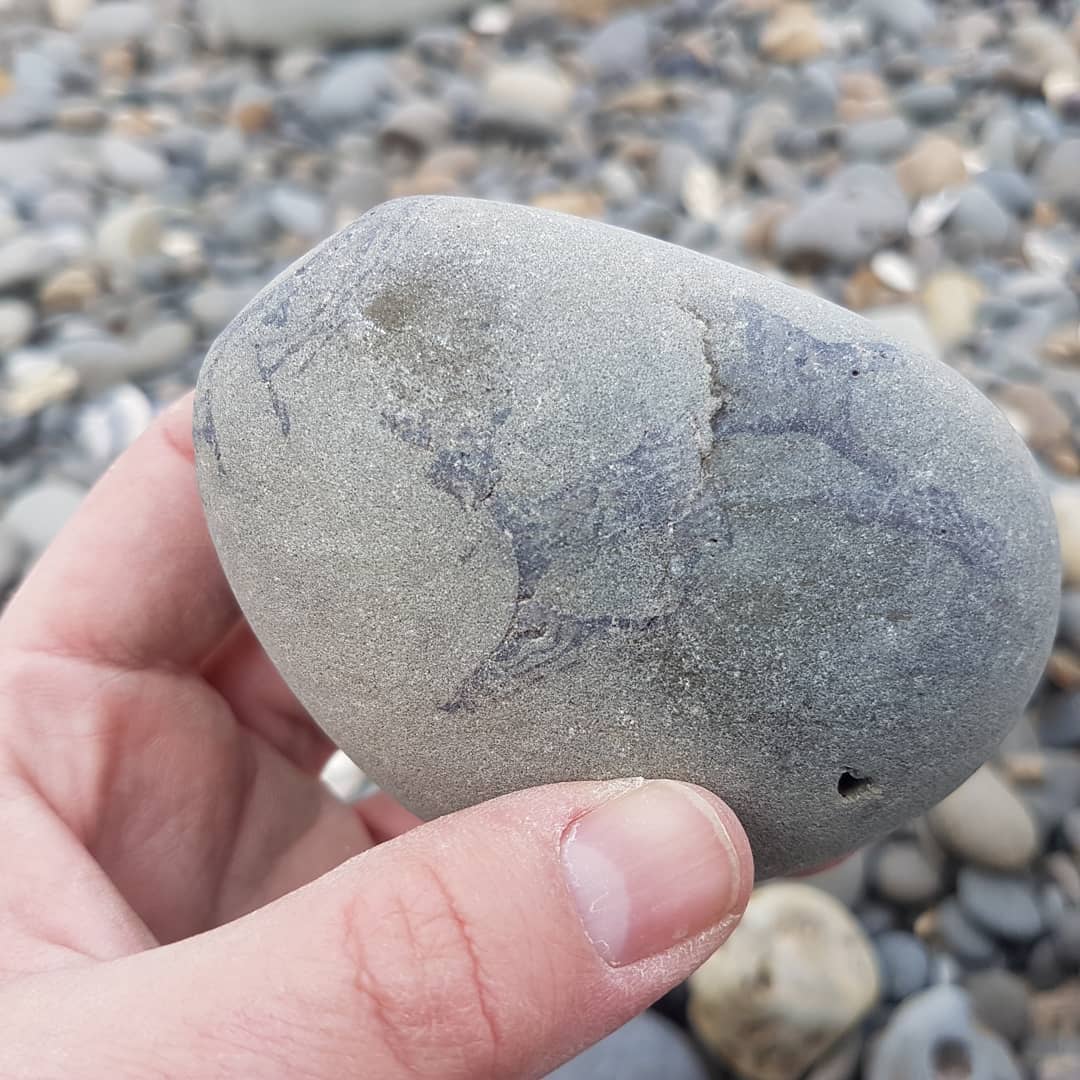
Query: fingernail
point(649, 869)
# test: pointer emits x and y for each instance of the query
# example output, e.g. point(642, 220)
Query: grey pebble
point(963, 938)
point(905, 964)
point(17, 321)
point(416, 128)
point(132, 165)
point(619, 50)
point(352, 88)
point(647, 1048)
point(1001, 1001)
point(1066, 937)
point(928, 103)
point(1059, 720)
point(932, 1035)
point(1058, 177)
point(846, 881)
point(860, 211)
point(1012, 190)
point(106, 25)
point(910, 20)
point(299, 212)
point(979, 225)
point(877, 140)
point(26, 259)
point(215, 303)
point(1004, 905)
point(36, 515)
point(500, 472)
point(901, 871)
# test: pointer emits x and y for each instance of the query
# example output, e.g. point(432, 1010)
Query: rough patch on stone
point(514, 498)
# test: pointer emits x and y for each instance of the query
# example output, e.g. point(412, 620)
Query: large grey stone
point(512, 498)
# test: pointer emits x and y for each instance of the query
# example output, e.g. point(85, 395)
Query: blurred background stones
point(915, 161)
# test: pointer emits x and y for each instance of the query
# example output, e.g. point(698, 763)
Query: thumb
point(496, 942)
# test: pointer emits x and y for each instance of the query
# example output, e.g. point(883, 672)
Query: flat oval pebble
point(512, 498)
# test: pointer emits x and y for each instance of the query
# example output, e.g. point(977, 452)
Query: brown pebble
point(73, 289)
point(586, 204)
point(1063, 668)
point(1029, 768)
point(934, 164)
point(1057, 1012)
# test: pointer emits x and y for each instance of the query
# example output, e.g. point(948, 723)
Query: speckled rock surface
point(513, 498)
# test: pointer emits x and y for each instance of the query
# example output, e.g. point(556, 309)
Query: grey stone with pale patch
point(514, 498)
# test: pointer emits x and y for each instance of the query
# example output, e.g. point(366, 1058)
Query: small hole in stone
point(851, 785)
point(951, 1060)
point(855, 371)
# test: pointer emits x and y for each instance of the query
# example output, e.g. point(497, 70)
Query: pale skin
point(181, 897)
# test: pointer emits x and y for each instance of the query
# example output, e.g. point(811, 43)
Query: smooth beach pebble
point(512, 498)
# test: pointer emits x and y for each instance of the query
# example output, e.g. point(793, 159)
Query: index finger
point(132, 580)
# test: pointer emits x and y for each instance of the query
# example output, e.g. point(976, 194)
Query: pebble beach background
point(160, 161)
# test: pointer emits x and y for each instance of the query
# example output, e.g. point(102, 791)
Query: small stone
point(951, 299)
point(703, 193)
point(934, 164)
point(904, 873)
point(963, 938)
point(287, 24)
point(895, 271)
point(860, 211)
point(619, 50)
point(33, 381)
point(979, 226)
point(792, 35)
point(1060, 720)
point(352, 88)
point(17, 321)
point(130, 165)
point(1057, 1011)
point(1066, 503)
point(162, 346)
point(1011, 189)
point(26, 259)
point(73, 289)
point(298, 212)
point(644, 1049)
point(1001, 1001)
point(984, 822)
point(911, 20)
point(66, 14)
point(1063, 670)
point(904, 962)
point(415, 128)
point(908, 325)
point(932, 1036)
point(845, 882)
point(38, 514)
point(1057, 178)
point(1042, 422)
point(527, 93)
point(795, 976)
point(215, 304)
point(107, 25)
point(1066, 937)
point(878, 139)
point(108, 424)
point(1004, 905)
point(586, 204)
point(252, 109)
point(929, 103)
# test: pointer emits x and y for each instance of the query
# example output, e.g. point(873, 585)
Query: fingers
point(259, 697)
point(494, 943)
point(133, 579)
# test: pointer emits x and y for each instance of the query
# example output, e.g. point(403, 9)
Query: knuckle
point(419, 976)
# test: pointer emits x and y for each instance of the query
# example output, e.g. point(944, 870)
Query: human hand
point(180, 896)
